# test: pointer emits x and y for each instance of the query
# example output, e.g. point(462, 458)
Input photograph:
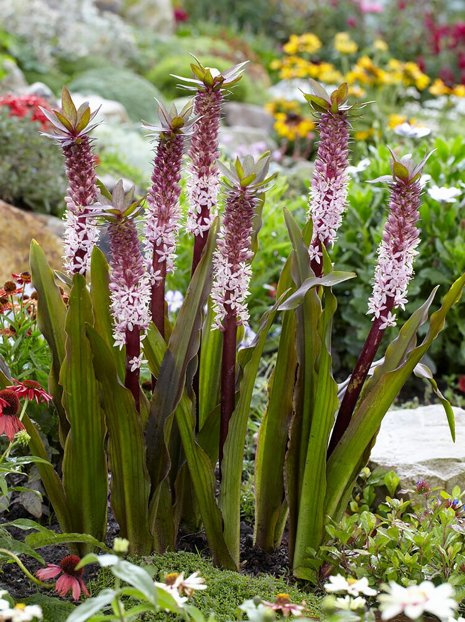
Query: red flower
point(9, 409)
point(461, 384)
point(180, 15)
point(70, 580)
point(30, 390)
point(23, 105)
point(22, 278)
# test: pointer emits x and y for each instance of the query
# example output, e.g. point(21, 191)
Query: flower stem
point(357, 379)
point(29, 575)
point(199, 243)
point(228, 378)
point(131, 380)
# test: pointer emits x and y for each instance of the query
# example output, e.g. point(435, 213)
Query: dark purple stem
point(131, 380)
point(228, 378)
point(357, 380)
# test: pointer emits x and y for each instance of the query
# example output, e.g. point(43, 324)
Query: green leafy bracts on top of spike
point(70, 123)
point(248, 173)
point(321, 101)
point(117, 206)
point(172, 121)
point(210, 78)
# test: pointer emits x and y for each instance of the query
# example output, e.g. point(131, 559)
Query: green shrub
point(134, 92)
point(31, 167)
point(407, 537)
point(226, 589)
point(161, 75)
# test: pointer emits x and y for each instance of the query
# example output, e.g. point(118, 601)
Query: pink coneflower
point(209, 85)
point(284, 606)
point(185, 587)
point(71, 128)
point(70, 579)
point(129, 279)
point(328, 194)
point(30, 390)
point(162, 219)
point(231, 268)
point(393, 273)
point(9, 410)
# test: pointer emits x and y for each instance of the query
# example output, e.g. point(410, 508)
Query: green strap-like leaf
point(130, 483)
point(310, 526)
point(210, 369)
point(51, 317)
point(84, 461)
point(272, 441)
point(373, 406)
point(230, 490)
point(182, 348)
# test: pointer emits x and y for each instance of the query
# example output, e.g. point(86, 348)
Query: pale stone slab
point(417, 444)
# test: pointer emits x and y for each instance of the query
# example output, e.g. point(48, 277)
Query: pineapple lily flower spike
point(394, 271)
point(163, 214)
point(245, 182)
point(209, 86)
point(328, 194)
point(129, 279)
point(71, 127)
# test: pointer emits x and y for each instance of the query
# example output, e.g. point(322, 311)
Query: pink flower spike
point(30, 390)
point(70, 579)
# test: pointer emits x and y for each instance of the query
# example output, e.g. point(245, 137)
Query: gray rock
point(156, 15)
point(236, 113)
point(13, 80)
point(417, 444)
point(240, 140)
point(109, 110)
point(39, 89)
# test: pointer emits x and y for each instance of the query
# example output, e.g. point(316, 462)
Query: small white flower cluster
point(130, 309)
point(80, 237)
point(412, 601)
point(352, 588)
point(203, 195)
point(18, 613)
point(230, 284)
point(160, 238)
point(415, 600)
point(392, 276)
point(328, 201)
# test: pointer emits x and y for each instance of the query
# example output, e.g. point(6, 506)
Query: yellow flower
point(275, 64)
point(292, 126)
point(364, 134)
point(306, 43)
point(344, 44)
point(439, 88)
point(380, 45)
point(459, 90)
point(356, 91)
point(422, 82)
point(396, 119)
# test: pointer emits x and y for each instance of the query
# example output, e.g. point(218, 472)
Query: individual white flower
point(136, 362)
point(359, 168)
point(352, 587)
point(20, 612)
point(412, 131)
point(256, 612)
point(176, 581)
point(347, 603)
point(174, 300)
point(443, 194)
point(415, 600)
point(178, 599)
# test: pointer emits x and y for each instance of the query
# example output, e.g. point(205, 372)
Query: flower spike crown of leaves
point(403, 169)
point(209, 78)
point(172, 121)
point(117, 206)
point(248, 173)
point(70, 123)
point(322, 102)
